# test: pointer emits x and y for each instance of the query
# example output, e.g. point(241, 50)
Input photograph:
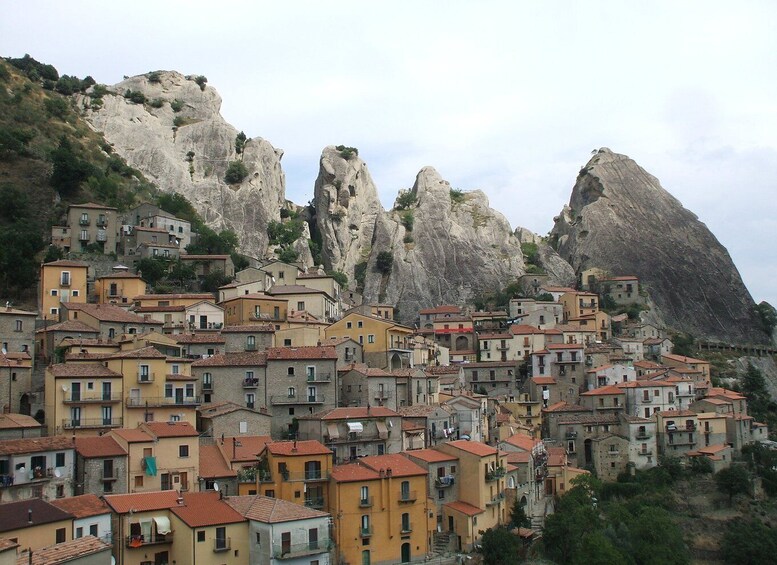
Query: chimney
point(294, 446)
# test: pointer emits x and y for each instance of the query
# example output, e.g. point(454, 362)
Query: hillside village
point(281, 419)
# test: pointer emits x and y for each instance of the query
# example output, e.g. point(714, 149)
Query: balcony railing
point(443, 482)
point(250, 383)
point(365, 532)
point(407, 496)
point(109, 478)
point(570, 435)
point(141, 540)
point(296, 399)
point(84, 423)
point(146, 377)
point(222, 544)
point(292, 551)
point(157, 401)
point(315, 502)
point(406, 528)
point(642, 435)
point(83, 236)
point(250, 347)
point(365, 502)
point(91, 398)
point(319, 377)
point(101, 223)
point(83, 222)
point(316, 475)
point(495, 474)
point(646, 452)
point(496, 500)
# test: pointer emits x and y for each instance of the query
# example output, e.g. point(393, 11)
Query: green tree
point(749, 542)
point(181, 274)
point(68, 171)
point(384, 262)
point(201, 81)
point(240, 142)
point(214, 280)
point(732, 481)
point(500, 547)
point(236, 172)
point(597, 549)
point(518, 517)
point(405, 200)
point(768, 316)
point(239, 261)
point(287, 254)
point(151, 269)
point(340, 277)
point(656, 539)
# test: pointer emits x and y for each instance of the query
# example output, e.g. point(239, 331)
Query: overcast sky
point(508, 97)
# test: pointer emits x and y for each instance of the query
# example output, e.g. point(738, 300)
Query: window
point(79, 532)
point(290, 371)
point(201, 535)
point(349, 325)
point(64, 278)
point(292, 392)
point(258, 538)
point(59, 460)
point(183, 451)
point(359, 324)
point(222, 543)
point(406, 522)
point(440, 494)
point(18, 325)
point(370, 338)
point(54, 292)
point(60, 535)
point(250, 400)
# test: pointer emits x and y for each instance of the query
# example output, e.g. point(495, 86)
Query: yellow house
point(381, 510)
point(160, 456)
point(61, 281)
point(35, 523)
point(83, 398)
point(208, 531)
point(386, 344)
point(576, 303)
point(118, 288)
point(526, 411)
point(170, 299)
point(296, 471)
point(252, 308)
point(155, 388)
point(482, 504)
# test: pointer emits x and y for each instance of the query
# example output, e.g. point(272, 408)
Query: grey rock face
point(149, 140)
point(620, 219)
point(560, 273)
point(347, 209)
point(456, 249)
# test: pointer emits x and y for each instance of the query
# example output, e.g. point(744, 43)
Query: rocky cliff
point(620, 219)
point(188, 151)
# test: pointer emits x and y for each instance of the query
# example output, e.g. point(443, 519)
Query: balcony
point(90, 423)
point(101, 222)
point(292, 551)
point(316, 475)
point(646, 452)
point(504, 347)
point(406, 528)
point(365, 532)
point(250, 383)
point(281, 399)
point(381, 395)
point(570, 435)
point(146, 377)
point(250, 347)
point(319, 378)
point(443, 482)
point(102, 235)
point(495, 474)
point(264, 476)
point(83, 236)
point(642, 435)
point(153, 539)
point(496, 500)
point(407, 496)
point(84, 222)
point(222, 544)
point(159, 401)
point(77, 398)
point(109, 479)
point(315, 502)
point(365, 502)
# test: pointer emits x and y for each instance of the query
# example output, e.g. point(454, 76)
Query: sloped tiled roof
point(353, 472)
point(142, 501)
point(199, 338)
point(82, 506)
point(303, 352)
point(15, 515)
point(271, 510)
point(464, 508)
point(35, 445)
point(248, 328)
point(69, 326)
point(295, 448)
point(212, 463)
point(67, 552)
point(172, 429)
point(247, 448)
point(400, 466)
point(202, 509)
point(82, 370)
point(98, 446)
point(474, 447)
point(353, 412)
point(110, 313)
point(522, 441)
point(133, 435)
point(14, 421)
point(431, 455)
point(246, 359)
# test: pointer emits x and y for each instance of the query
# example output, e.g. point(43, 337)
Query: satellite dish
point(57, 473)
point(64, 388)
point(22, 469)
point(216, 487)
point(5, 351)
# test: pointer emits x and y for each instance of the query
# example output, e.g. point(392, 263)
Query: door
point(405, 553)
point(184, 481)
point(285, 543)
point(179, 396)
point(106, 391)
point(165, 480)
point(107, 412)
point(75, 416)
point(203, 322)
point(450, 523)
point(75, 392)
point(313, 538)
point(311, 394)
point(134, 397)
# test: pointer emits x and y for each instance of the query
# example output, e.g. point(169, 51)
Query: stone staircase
point(442, 542)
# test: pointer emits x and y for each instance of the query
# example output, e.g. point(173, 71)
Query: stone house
point(36, 468)
point(364, 386)
point(256, 337)
point(232, 420)
point(610, 456)
point(101, 466)
point(496, 378)
point(238, 378)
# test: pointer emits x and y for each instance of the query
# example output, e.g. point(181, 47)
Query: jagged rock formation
point(559, 272)
point(149, 140)
point(620, 219)
point(347, 209)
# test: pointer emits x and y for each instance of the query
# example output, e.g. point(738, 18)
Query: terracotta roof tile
point(82, 506)
point(172, 429)
point(443, 309)
point(353, 412)
point(295, 448)
point(271, 510)
point(14, 515)
point(81, 370)
point(149, 352)
point(133, 435)
point(67, 552)
point(247, 448)
point(212, 463)
point(110, 313)
point(464, 508)
point(167, 297)
point(201, 509)
point(69, 326)
point(199, 338)
point(249, 328)
point(604, 390)
point(98, 446)
point(353, 472)
point(400, 466)
point(35, 445)
point(16, 421)
point(142, 501)
point(522, 441)
point(430, 455)
point(247, 359)
point(66, 263)
point(474, 447)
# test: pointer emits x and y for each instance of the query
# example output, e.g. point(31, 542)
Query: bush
point(240, 142)
point(35, 70)
point(135, 96)
point(457, 196)
point(98, 91)
point(384, 262)
point(156, 103)
point(285, 233)
point(287, 254)
point(68, 85)
point(347, 152)
point(201, 81)
point(69, 171)
point(359, 273)
point(407, 220)
point(530, 252)
point(57, 107)
point(340, 277)
point(176, 105)
point(236, 172)
point(155, 77)
point(179, 121)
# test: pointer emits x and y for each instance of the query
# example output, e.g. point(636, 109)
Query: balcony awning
point(355, 427)
point(332, 431)
point(382, 430)
point(162, 525)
